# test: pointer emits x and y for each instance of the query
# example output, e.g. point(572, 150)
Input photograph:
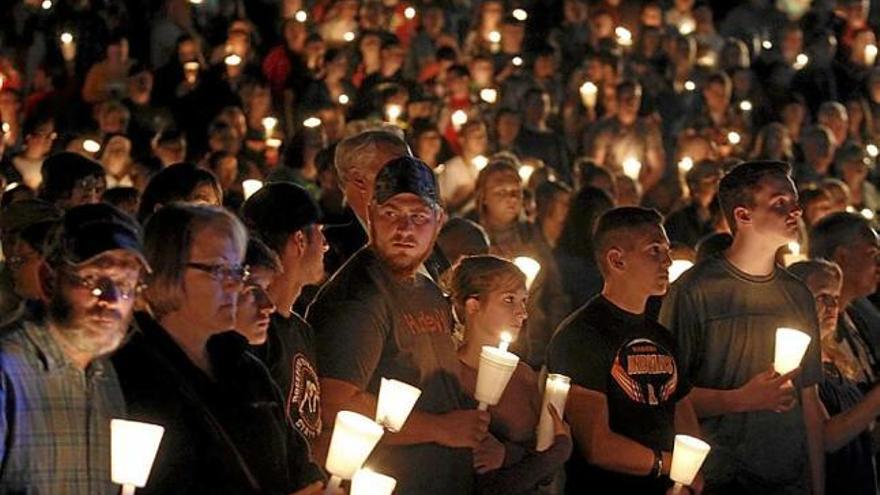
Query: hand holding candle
point(68, 46)
point(791, 344)
point(396, 401)
point(555, 393)
point(133, 447)
point(354, 437)
point(496, 367)
point(688, 455)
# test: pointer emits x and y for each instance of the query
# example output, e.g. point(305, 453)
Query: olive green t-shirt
point(725, 323)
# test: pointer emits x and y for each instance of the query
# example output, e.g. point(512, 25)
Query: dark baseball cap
point(406, 174)
point(280, 207)
point(91, 230)
point(22, 214)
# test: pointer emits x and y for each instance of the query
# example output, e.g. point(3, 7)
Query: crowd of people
point(235, 218)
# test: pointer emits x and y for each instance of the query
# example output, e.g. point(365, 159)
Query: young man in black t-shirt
point(628, 398)
point(379, 316)
point(287, 219)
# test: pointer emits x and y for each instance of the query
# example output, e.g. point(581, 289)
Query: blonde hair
point(477, 276)
point(168, 240)
point(500, 165)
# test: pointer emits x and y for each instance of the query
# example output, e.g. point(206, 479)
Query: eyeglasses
point(92, 184)
point(98, 286)
point(223, 273)
point(828, 300)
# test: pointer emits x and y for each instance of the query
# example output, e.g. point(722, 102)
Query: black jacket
point(222, 435)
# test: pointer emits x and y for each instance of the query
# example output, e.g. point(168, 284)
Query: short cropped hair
point(836, 230)
point(805, 270)
point(168, 239)
point(362, 147)
point(259, 255)
point(739, 186)
point(616, 223)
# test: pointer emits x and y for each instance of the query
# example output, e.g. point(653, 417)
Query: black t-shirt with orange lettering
point(370, 325)
point(632, 360)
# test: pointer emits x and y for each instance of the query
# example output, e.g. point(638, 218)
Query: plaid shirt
point(54, 417)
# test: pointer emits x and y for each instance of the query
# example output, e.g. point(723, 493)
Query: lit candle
point(688, 454)
point(767, 44)
point(343, 99)
point(685, 164)
point(733, 138)
point(494, 37)
point(517, 61)
point(392, 113)
point(489, 95)
point(312, 122)
point(555, 393)
point(91, 146)
point(588, 92)
point(801, 61)
point(870, 54)
point(525, 172)
point(530, 268)
point(396, 401)
point(690, 85)
point(348, 36)
point(632, 167)
point(745, 106)
point(46, 5)
point(191, 71)
point(687, 26)
point(68, 46)
point(791, 345)
point(872, 150)
point(867, 213)
point(269, 124)
point(250, 186)
point(368, 482)
point(479, 162)
point(233, 60)
point(301, 16)
point(409, 13)
point(624, 36)
point(506, 339)
point(520, 15)
point(678, 267)
point(354, 438)
point(459, 118)
point(133, 447)
point(496, 368)
point(273, 143)
point(794, 254)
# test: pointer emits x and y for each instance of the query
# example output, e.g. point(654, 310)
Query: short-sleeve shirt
point(632, 360)
point(370, 325)
point(55, 417)
point(289, 354)
point(725, 323)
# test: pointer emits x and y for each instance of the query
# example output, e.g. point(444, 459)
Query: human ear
point(615, 258)
point(742, 214)
point(471, 306)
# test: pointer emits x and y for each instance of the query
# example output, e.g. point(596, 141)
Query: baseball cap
point(20, 215)
point(406, 174)
point(280, 207)
point(88, 231)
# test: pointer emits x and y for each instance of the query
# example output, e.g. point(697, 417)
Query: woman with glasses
point(225, 428)
point(849, 460)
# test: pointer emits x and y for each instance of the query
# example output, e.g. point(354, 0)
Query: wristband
point(657, 470)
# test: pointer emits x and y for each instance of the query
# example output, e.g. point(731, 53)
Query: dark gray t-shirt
point(725, 323)
point(369, 326)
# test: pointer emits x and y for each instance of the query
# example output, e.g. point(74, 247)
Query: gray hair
point(362, 148)
point(168, 240)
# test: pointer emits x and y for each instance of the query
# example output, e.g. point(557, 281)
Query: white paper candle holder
point(688, 455)
point(496, 368)
point(555, 393)
point(133, 447)
point(354, 438)
point(791, 344)
point(396, 401)
point(369, 482)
